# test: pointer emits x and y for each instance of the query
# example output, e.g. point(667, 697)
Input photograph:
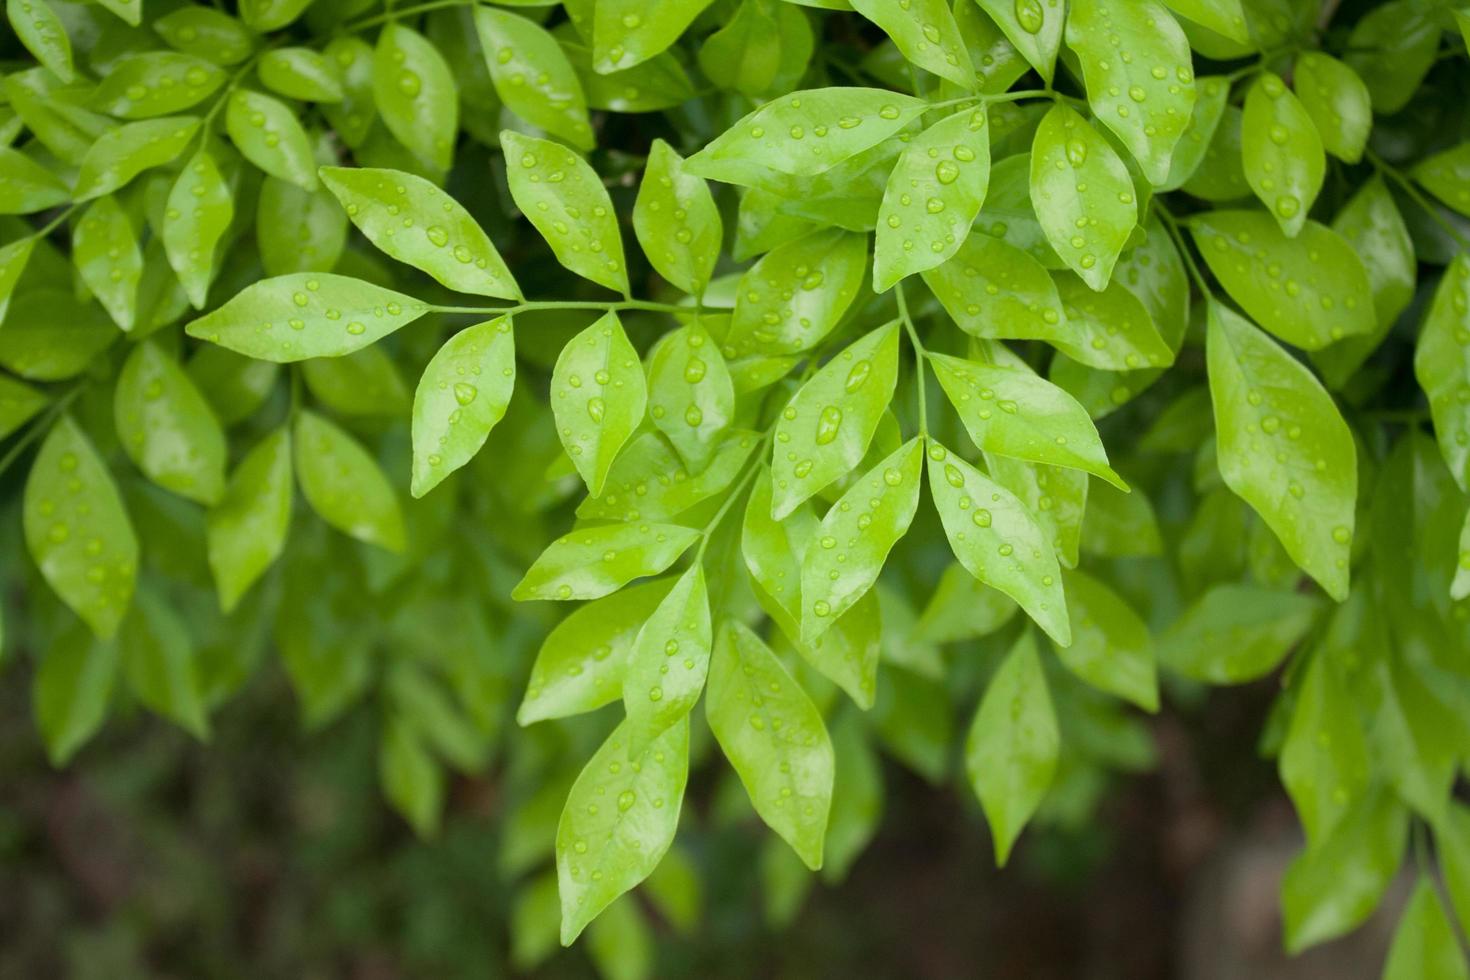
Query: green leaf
point(1337, 101)
point(364, 383)
point(1329, 891)
point(463, 392)
point(1033, 26)
point(19, 403)
point(49, 336)
point(295, 317)
point(161, 665)
point(650, 482)
point(354, 115)
point(26, 186)
point(1055, 496)
point(1425, 944)
point(855, 536)
point(208, 33)
point(658, 83)
point(825, 429)
point(995, 290)
point(104, 247)
point(297, 230)
point(1211, 95)
point(1236, 633)
point(932, 197)
point(1120, 525)
point(266, 132)
point(676, 221)
point(1442, 367)
point(669, 661)
point(1372, 225)
point(1452, 842)
point(619, 819)
point(1088, 228)
point(691, 398)
point(1220, 174)
point(564, 199)
point(1012, 748)
point(44, 35)
point(270, 15)
point(1281, 152)
point(1224, 17)
point(121, 154)
point(247, 529)
point(1140, 80)
point(166, 426)
point(995, 61)
point(78, 531)
point(926, 34)
point(1446, 175)
point(629, 32)
point(857, 799)
point(14, 257)
point(412, 781)
point(532, 75)
point(344, 484)
point(1309, 290)
point(580, 665)
point(1012, 412)
point(1392, 47)
point(806, 132)
point(200, 208)
point(300, 73)
point(598, 394)
point(416, 94)
point(774, 737)
point(998, 540)
point(595, 561)
point(796, 293)
point(1283, 447)
point(417, 223)
point(1111, 647)
point(763, 38)
point(156, 83)
point(1324, 760)
point(71, 691)
point(1112, 330)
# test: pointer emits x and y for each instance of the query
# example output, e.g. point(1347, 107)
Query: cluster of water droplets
point(595, 235)
point(1288, 293)
point(68, 523)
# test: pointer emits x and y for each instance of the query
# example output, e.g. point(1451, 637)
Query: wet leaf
point(532, 76)
point(463, 393)
point(121, 154)
point(1324, 759)
point(266, 132)
point(166, 426)
point(676, 221)
point(1111, 647)
point(691, 398)
point(78, 531)
point(1033, 26)
point(795, 294)
point(105, 250)
point(1082, 194)
point(926, 34)
point(294, 317)
point(1281, 152)
point(564, 199)
point(1012, 748)
point(247, 529)
point(200, 207)
point(344, 484)
point(669, 661)
point(598, 394)
point(416, 95)
point(594, 561)
point(774, 738)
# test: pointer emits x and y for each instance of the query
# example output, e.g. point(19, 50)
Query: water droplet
point(892, 476)
point(858, 375)
point(981, 517)
point(408, 83)
point(465, 393)
point(596, 409)
point(822, 607)
point(888, 112)
point(1030, 15)
point(828, 425)
point(437, 235)
point(694, 370)
point(626, 799)
point(1076, 152)
point(947, 171)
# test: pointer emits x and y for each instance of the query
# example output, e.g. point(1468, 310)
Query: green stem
point(1172, 225)
point(55, 222)
point(393, 14)
point(39, 427)
point(626, 304)
point(734, 495)
point(1416, 195)
point(920, 354)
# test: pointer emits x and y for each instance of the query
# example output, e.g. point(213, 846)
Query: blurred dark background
point(269, 853)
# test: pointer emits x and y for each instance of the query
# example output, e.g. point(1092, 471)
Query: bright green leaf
point(1033, 26)
point(925, 32)
point(1324, 760)
point(1281, 152)
point(796, 293)
point(598, 394)
point(690, 395)
point(121, 154)
point(532, 75)
point(156, 83)
point(344, 484)
point(595, 561)
point(564, 199)
point(667, 666)
point(300, 73)
point(416, 94)
point(78, 531)
point(247, 529)
point(463, 392)
point(267, 133)
point(200, 208)
point(71, 691)
point(105, 250)
point(774, 737)
point(1082, 194)
point(1111, 647)
point(1012, 748)
point(676, 221)
point(292, 318)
